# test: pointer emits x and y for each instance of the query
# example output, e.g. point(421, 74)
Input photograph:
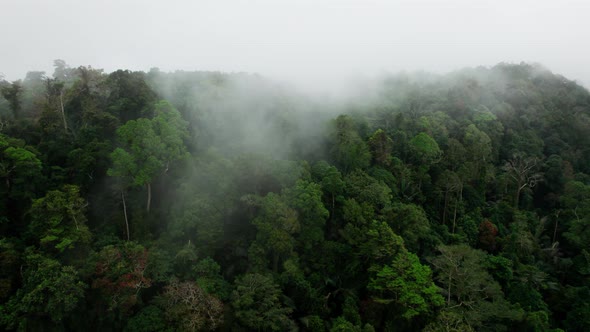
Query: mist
point(319, 46)
point(263, 165)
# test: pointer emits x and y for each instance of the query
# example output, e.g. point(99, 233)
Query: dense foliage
point(194, 201)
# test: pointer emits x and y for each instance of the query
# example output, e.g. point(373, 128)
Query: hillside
point(198, 201)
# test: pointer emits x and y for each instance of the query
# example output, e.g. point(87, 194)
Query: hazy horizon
point(315, 44)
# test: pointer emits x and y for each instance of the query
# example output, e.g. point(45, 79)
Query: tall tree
point(523, 171)
point(381, 147)
point(147, 147)
point(470, 291)
point(277, 223)
point(349, 151)
point(12, 92)
point(331, 181)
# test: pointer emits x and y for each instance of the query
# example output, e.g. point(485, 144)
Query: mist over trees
point(207, 201)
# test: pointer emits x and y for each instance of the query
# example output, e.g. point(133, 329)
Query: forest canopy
point(208, 201)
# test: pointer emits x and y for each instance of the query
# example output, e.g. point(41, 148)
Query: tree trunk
point(63, 112)
point(444, 218)
point(555, 229)
point(125, 212)
point(449, 290)
point(518, 191)
point(332, 212)
point(455, 213)
point(149, 197)
point(454, 218)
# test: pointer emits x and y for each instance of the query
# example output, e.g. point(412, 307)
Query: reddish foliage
point(119, 275)
point(487, 235)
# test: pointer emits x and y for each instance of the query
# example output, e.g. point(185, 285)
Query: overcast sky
point(312, 42)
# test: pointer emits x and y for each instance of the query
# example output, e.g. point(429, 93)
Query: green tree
point(523, 171)
point(257, 306)
point(576, 201)
point(58, 222)
point(340, 324)
point(12, 92)
point(425, 149)
point(331, 181)
point(452, 186)
point(306, 198)
point(205, 199)
point(479, 151)
point(349, 151)
point(276, 225)
point(364, 188)
point(150, 318)
point(381, 147)
point(10, 261)
point(20, 168)
point(129, 96)
point(407, 284)
point(50, 293)
point(470, 291)
point(411, 223)
point(147, 147)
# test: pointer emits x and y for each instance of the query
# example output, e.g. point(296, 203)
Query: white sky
point(314, 43)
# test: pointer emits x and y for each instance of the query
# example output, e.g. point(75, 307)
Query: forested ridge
point(207, 201)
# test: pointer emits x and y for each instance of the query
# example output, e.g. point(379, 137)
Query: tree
point(522, 170)
point(331, 181)
point(306, 198)
point(479, 151)
point(452, 185)
point(62, 72)
point(425, 153)
point(10, 261)
point(487, 235)
point(19, 166)
point(150, 318)
point(208, 276)
point(129, 96)
point(189, 307)
point(12, 92)
point(119, 276)
point(208, 196)
point(364, 188)
point(407, 284)
point(411, 223)
point(425, 149)
point(276, 225)
point(576, 201)
point(373, 242)
point(147, 147)
point(470, 291)
point(381, 147)
point(138, 160)
point(55, 99)
point(50, 293)
point(256, 304)
point(349, 151)
point(449, 321)
point(58, 221)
